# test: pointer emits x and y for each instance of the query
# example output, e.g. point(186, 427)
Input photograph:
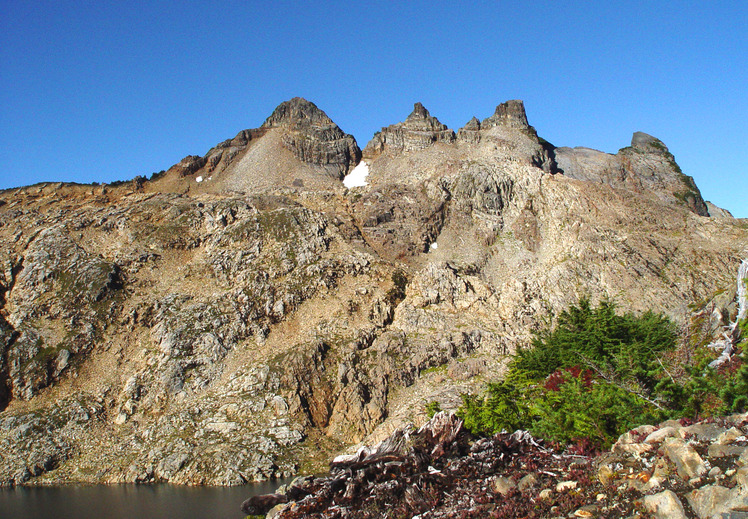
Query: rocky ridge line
point(645, 165)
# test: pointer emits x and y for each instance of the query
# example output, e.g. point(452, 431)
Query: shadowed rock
point(261, 505)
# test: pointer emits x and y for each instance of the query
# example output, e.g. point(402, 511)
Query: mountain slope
point(245, 326)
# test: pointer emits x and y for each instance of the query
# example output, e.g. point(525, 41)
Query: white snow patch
point(199, 179)
point(357, 177)
point(434, 246)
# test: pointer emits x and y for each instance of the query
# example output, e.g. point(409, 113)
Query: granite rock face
point(419, 130)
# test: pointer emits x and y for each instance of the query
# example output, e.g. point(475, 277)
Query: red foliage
point(585, 447)
point(731, 367)
point(558, 378)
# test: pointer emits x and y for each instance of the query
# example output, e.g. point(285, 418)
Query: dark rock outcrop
point(510, 114)
point(470, 133)
point(7, 337)
point(261, 505)
point(312, 136)
point(420, 130)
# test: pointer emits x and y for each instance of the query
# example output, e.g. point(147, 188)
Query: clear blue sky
point(101, 91)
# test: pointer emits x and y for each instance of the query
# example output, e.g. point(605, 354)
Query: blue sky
point(103, 91)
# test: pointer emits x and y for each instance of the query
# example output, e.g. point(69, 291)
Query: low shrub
point(598, 374)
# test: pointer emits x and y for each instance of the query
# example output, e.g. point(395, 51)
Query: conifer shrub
point(597, 374)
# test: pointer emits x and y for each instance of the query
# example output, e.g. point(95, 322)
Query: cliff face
point(247, 325)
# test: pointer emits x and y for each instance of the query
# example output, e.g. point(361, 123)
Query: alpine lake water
point(161, 501)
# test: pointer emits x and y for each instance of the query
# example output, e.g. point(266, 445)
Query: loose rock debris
point(442, 471)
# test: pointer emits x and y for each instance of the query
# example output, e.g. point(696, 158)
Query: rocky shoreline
point(672, 470)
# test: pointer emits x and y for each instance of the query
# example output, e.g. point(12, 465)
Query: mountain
point(243, 315)
point(297, 146)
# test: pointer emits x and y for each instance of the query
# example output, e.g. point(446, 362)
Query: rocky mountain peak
point(511, 114)
point(297, 112)
point(313, 137)
point(644, 141)
point(419, 112)
point(322, 154)
point(472, 124)
point(421, 120)
point(419, 130)
point(470, 132)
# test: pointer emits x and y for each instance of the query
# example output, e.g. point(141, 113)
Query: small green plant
point(432, 408)
point(502, 408)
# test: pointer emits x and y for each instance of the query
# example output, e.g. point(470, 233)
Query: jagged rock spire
point(419, 130)
point(419, 112)
point(470, 132)
point(510, 114)
point(421, 120)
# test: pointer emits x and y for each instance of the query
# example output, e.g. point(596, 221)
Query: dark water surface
point(128, 501)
